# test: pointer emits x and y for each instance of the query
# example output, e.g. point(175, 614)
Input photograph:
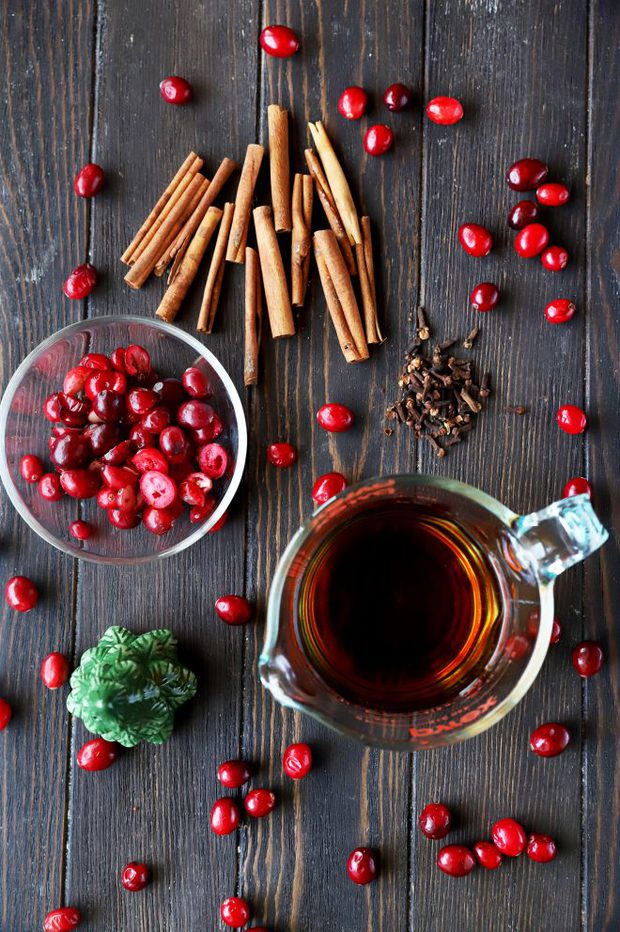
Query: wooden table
point(538, 78)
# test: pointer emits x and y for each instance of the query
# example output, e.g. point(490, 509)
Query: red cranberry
point(150, 458)
point(191, 493)
point(137, 361)
point(81, 281)
point(52, 408)
point(141, 400)
point(196, 383)
point(521, 214)
point(555, 258)
point(70, 451)
point(353, 102)
point(62, 920)
point(31, 468)
point(475, 239)
point(117, 359)
point(50, 488)
point(141, 437)
point(158, 520)
point(89, 180)
point(397, 97)
point(509, 837)
point(109, 405)
point(81, 530)
point(213, 460)
point(335, 418)
point(123, 518)
point(6, 714)
point(195, 414)
point(455, 860)
point(100, 379)
point(541, 848)
point(235, 911)
point(577, 486)
point(21, 593)
point(102, 437)
point(531, 240)
point(118, 454)
point(444, 110)
point(74, 380)
point(279, 41)
point(281, 454)
point(125, 499)
point(234, 609)
point(259, 803)
point(485, 296)
point(553, 194)
point(362, 866)
point(328, 485)
point(297, 761)
point(55, 670)
point(80, 483)
point(176, 90)
point(224, 816)
point(587, 658)
point(95, 361)
point(117, 477)
point(106, 498)
point(487, 855)
point(159, 490)
point(526, 174)
point(97, 754)
point(435, 820)
point(156, 420)
point(556, 632)
point(173, 443)
point(135, 877)
point(549, 740)
point(571, 419)
point(233, 773)
point(559, 311)
point(171, 391)
point(378, 139)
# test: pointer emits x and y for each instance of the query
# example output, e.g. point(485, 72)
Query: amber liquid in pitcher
point(400, 609)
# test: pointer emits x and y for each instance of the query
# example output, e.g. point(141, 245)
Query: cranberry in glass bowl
point(150, 353)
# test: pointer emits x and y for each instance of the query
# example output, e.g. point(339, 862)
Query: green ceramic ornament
point(127, 687)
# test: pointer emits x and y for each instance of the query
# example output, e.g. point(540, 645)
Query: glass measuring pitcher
point(411, 612)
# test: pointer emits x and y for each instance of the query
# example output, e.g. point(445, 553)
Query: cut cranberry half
point(541, 848)
point(571, 419)
point(353, 102)
point(455, 860)
point(577, 486)
point(97, 754)
point(234, 773)
point(362, 866)
point(435, 820)
point(560, 311)
point(553, 194)
point(175, 90)
point(297, 761)
point(80, 282)
point(487, 855)
point(475, 239)
point(159, 490)
point(234, 609)
point(325, 487)
point(31, 468)
point(526, 174)
point(213, 460)
point(588, 658)
point(89, 180)
point(444, 110)
point(135, 876)
point(279, 41)
point(509, 837)
point(235, 912)
point(259, 803)
point(55, 670)
point(21, 593)
point(149, 458)
point(550, 739)
point(225, 816)
point(191, 493)
point(62, 920)
point(282, 455)
point(137, 361)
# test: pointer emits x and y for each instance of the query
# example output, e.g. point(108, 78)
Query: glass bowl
point(24, 429)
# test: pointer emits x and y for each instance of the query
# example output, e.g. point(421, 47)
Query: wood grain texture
point(44, 142)
point(601, 789)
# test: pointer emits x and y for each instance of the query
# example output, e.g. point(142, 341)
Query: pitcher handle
point(560, 535)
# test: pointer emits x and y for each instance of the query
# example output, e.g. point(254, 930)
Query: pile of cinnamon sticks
point(177, 232)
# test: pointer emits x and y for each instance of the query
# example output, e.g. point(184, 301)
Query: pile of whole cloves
point(440, 395)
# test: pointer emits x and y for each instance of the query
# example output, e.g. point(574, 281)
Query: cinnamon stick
point(340, 296)
point(140, 271)
point(225, 170)
point(329, 206)
point(175, 198)
point(279, 171)
point(365, 265)
point(307, 201)
point(337, 182)
point(191, 161)
point(213, 287)
point(173, 297)
point(243, 204)
point(253, 317)
point(274, 278)
point(301, 242)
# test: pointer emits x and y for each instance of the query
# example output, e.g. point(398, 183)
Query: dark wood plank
point(294, 863)
point(491, 56)
point(141, 140)
point(43, 142)
point(601, 797)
